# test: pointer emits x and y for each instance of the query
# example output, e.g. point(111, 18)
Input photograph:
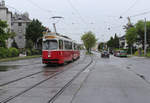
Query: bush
point(136, 53)
point(35, 52)
point(28, 52)
point(148, 54)
point(3, 52)
point(13, 52)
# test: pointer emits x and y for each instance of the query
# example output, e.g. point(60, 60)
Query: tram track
point(69, 83)
point(33, 86)
point(27, 76)
point(7, 83)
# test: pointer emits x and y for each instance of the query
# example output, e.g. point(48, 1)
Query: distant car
point(105, 54)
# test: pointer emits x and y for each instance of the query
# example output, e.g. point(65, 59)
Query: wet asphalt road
point(114, 80)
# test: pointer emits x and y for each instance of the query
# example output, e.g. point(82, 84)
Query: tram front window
point(50, 45)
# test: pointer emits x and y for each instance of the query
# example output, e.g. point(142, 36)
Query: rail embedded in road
point(35, 85)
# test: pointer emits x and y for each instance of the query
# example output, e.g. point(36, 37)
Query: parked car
point(105, 54)
point(117, 53)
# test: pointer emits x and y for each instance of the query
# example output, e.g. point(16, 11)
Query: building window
point(19, 24)
point(20, 30)
point(20, 37)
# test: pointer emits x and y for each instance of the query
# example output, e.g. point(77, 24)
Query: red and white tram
point(59, 49)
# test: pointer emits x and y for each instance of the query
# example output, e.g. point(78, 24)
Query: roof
point(122, 38)
point(20, 18)
point(3, 7)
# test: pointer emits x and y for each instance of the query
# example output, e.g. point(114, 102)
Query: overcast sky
point(84, 15)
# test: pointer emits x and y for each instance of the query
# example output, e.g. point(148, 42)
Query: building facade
point(123, 42)
point(6, 15)
point(19, 25)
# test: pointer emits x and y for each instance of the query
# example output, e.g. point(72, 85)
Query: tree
point(113, 43)
point(131, 36)
point(116, 41)
point(101, 46)
point(110, 43)
point(140, 31)
point(34, 31)
point(14, 44)
point(89, 40)
point(29, 44)
point(4, 35)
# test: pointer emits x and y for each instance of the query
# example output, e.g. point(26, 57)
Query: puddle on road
point(7, 68)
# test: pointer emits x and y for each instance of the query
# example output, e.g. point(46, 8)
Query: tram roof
point(57, 36)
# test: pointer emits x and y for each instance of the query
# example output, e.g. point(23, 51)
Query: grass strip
point(19, 58)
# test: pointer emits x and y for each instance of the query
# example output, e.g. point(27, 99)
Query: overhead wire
point(134, 3)
point(76, 10)
point(16, 10)
point(36, 5)
point(81, 18)
point(140, 14)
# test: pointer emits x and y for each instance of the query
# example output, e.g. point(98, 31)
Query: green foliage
point(35, 52)
point(110, 43)
point(136, 53)
point(13, 52)
point(100, 46)
point(34, 31)
point(31, 52)
point(113, 42)
point(29, 44)
point(14, 44)
point(89, 40)
point(148, 54)
point(116, 41)
point(3, 52)
point(4, 35)
point(28, 51)
point(136, 33)
point(131, 35)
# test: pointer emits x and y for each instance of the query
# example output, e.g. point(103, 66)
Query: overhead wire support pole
point(145, 39)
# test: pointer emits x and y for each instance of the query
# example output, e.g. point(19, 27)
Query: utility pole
point(145, 39)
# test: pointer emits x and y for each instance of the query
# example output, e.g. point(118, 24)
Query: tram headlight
point(49, 54)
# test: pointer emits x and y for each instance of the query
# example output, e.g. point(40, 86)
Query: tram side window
point(60, 44)
point(68, 45)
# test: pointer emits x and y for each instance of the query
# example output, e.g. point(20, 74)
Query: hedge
point(33, 52)
point(11, 52)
